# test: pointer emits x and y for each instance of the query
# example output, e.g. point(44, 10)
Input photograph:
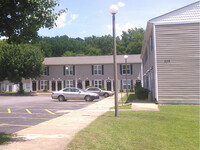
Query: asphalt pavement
point(20, 112)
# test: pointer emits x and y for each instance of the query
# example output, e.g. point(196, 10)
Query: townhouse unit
point(171, 56)
point(84, 71)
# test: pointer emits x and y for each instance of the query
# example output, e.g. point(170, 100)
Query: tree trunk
point(21, 90)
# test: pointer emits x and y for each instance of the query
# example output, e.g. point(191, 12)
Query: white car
point(74, 94)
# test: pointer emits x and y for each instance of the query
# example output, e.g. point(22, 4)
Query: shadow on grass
point(131, 98)
point(17, 94)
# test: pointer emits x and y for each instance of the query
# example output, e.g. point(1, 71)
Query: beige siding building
point(171, 56)
point(81, 72)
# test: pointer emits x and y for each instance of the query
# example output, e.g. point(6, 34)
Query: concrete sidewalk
point(55, 134)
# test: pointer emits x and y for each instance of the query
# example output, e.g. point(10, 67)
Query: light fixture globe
point(113, 9)
point(125, 56)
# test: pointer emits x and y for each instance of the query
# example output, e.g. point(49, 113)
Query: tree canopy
point(20, 61)
point(130, 42)
point(21, 19)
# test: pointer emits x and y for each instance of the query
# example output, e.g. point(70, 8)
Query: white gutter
point(155, 57)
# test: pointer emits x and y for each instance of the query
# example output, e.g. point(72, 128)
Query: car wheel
point(88, 98)
point(61, 98)
point(106, 95)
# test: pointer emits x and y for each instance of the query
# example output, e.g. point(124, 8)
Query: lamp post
point(126, 57)
point(113, 11)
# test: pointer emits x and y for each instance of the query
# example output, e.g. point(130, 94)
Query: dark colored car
point(99, 91)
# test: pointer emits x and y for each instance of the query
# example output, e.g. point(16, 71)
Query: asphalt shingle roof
point(81, 60)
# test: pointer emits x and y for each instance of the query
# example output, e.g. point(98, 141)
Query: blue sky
point(91, 17)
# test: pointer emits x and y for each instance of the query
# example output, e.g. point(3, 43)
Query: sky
point(85, 18)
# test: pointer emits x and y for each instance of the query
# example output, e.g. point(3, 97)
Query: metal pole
point(126, 79)
point(115, 68)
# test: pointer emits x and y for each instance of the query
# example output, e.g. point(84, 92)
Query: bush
point(141, 93)
point(103, 89)
point(89, 86)
point(131, 90)
point(121, 90)
point(45, 90)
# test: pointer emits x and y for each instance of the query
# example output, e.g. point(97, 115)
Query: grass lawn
point(4, 137)
point(174, 127)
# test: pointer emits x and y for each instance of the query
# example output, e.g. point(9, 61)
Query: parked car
point(99, 91)
point(74, 94)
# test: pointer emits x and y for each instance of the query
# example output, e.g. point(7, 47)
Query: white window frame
point(43, 84)
point(124, 84)
point(45, 71)
point(69, 83)
point(69, 70)
point(97, 69)
point(98, 83)
point(124, 69)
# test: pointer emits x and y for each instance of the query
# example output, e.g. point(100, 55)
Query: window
point(46, 71)
point(69, 83)
point(67, 90)
point(98, 83)
point(124, 84)
point(69, 70)
point(97, 69)
point(43, 84)
point(124, 69)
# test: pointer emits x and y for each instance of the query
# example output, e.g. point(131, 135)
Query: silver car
point(99, 91)
point(74, 94)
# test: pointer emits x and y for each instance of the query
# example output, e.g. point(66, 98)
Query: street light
point(126, 57)
point(113, 11)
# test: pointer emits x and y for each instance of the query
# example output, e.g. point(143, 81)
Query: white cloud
point(60, 22)
point(120, 4)
point(72, 18)
point(119, 28)
point(83, 32)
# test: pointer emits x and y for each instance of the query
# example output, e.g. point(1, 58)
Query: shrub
point(131, 90)
point(103, 89)
point(141, 93)
point(121, 90)
point(45, 90)
point(89, 86)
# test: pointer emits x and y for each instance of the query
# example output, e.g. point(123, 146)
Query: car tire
point(88, 98)
point(61, 98)
point(105, 94)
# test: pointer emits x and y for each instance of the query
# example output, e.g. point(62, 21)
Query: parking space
point(17, 113)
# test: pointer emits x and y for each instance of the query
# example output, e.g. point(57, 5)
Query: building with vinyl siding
point(171, 56)
point(84, 71)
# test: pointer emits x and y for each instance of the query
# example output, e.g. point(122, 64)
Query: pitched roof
point(189, 13)
point(81, 60)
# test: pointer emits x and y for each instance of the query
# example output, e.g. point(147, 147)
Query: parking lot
point(19, 112)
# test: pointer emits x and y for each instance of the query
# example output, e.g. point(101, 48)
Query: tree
point(21, 19)
point(20, 61)
point(132, 41)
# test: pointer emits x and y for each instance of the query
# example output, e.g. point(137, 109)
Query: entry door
point(59, 85)
point(87, 83)
point(53, 85)
point(34, 85)
point(79, 84)
point(108, 85)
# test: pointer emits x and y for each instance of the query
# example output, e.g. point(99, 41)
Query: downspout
point(155, 58)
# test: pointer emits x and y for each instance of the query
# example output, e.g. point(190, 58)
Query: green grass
point(174, 127)
point(4, 137)
point(124, 106)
